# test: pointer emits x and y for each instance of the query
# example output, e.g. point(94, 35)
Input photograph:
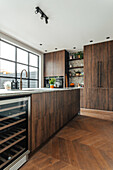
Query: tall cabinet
point(56, 64)
point(97, 94)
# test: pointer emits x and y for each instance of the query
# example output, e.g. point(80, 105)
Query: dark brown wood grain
point(50, 111)
point(54, 63)
point(85, 143)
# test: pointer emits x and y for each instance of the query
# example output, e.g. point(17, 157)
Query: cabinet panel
point(59, 63)
point(50, 111)
point(54, 64)
point(48, 64)
point(97, 98)
point(110, 56)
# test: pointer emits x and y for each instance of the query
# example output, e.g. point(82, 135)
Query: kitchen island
point(51, 109)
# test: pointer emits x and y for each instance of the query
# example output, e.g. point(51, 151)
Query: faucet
point(21, 78)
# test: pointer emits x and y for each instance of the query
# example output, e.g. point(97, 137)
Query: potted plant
point(51, 82)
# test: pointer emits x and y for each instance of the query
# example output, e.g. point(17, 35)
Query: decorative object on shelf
point(80, 85)
point(70, 65)
point(70, 74)
point(80, 55)
point(7, 85)
point(71, 57)
point(52, 82)
point(74, 56)
point(78, 73)
point(72, 85)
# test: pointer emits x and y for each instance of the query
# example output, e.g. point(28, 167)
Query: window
point(13, 60)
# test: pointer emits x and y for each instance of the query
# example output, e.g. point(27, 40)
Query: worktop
point(30, 91)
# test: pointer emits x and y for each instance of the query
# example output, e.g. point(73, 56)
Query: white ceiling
point(71, 22)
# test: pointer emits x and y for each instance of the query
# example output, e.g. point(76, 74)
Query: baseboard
point(101, 114)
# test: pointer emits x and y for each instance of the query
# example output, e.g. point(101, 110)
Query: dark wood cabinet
point(98, 64)
point(54, 63)
point(98, 79)
point(50, 112)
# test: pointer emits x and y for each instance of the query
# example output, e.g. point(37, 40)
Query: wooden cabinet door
point(91, 66)
point(87, 66)
point(48, 65)
point(110, 69)
point(59, 63)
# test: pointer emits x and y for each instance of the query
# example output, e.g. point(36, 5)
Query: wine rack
point(14, 127)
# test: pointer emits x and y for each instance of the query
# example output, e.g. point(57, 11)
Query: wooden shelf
point(11, 143)
point(75, 59)
point(75, 67)
point(14, 132)
point(10, 108)
point(15, 152)
point(10, 124)
point(12, 116)
point(76, 76)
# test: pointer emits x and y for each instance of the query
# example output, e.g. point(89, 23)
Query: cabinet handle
point(98, 74)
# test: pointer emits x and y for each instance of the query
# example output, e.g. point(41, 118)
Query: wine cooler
point(14, 130)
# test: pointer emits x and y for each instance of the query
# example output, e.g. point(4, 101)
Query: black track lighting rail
point(43, 15)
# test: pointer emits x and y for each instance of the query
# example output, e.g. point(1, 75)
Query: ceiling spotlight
point(55, 48)
point(107, 37)
point(37, 10)
point(46, 20)
point(40, 44)
point(43, 15)
point(91, 40)
point(74, 47)
point(45, 50)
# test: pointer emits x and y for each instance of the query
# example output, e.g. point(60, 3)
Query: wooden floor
point(84, 144)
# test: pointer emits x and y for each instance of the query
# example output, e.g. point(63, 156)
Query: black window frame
point(16, 78)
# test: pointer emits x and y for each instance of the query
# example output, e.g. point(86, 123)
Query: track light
point(38, 10)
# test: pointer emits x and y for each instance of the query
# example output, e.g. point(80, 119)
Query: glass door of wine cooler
point(14, 128)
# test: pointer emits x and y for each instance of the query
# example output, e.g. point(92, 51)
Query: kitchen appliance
point(14, 130)
point(58, 83)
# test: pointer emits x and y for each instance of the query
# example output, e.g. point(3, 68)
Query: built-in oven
point(58, 83)
point(14, 130)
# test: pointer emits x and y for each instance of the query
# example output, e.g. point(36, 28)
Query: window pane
point(22, 56)
point(24, 83)
point(33, 60)
point(7, 51)
point(3, 80)
point(20, 67)
point(33, 73)
point(7, 68)
point(33, 83)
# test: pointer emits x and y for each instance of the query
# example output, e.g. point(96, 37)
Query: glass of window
point(7, 51)
point(33, 73)
point(7, 68)
point(24, 83)
point(22, 56)
point(20, 67)
point(33, 60)
point(33, 83)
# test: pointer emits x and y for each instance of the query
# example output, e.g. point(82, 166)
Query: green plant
point(52, 81)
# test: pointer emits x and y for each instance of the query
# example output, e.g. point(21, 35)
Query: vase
point(51, 85)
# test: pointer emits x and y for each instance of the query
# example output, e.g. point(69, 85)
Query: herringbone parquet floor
point(84, 144)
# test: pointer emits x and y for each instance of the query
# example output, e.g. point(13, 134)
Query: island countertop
point(30, 91)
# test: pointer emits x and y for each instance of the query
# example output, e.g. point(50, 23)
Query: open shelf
point(77, 76)
point(75, 59)
point(76, 67)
